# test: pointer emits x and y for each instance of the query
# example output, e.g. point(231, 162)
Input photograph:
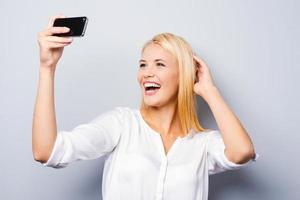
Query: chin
point(151, 104)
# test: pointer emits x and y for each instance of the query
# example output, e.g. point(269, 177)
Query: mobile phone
point(77, 26)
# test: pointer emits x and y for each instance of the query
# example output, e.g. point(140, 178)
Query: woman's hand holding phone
point(51, 47)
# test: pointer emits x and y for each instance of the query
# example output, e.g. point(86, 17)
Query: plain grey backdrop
point(250, 46)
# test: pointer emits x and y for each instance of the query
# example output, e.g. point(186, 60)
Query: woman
point(159, 151)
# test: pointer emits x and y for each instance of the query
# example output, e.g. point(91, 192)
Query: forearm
point(238, 144)
point(44, 128)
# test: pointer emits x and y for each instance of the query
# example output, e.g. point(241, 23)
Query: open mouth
point(151, 88)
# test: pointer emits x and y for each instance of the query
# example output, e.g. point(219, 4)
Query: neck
point(164, 120)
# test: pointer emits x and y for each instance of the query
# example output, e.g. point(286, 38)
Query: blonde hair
point(186, 98)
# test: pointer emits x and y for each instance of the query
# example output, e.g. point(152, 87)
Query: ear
point(196, 68)
point(196, 77)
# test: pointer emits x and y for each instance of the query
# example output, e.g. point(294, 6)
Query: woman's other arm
point(239, 147)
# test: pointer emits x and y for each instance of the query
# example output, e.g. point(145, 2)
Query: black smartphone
point(77, 25)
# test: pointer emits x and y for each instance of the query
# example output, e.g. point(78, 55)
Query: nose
point(148, 75)
point(149, 71)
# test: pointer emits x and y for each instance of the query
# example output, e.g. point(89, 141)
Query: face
point(158, 76)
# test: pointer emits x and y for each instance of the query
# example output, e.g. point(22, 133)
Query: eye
point(142, 65)
point(160, 64)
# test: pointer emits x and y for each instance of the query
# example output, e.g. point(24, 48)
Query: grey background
point(251, 47)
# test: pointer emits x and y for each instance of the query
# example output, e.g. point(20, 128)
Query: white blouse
point(136, 166)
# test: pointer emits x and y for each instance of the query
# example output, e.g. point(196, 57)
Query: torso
point(167, 142)
point(167, 139)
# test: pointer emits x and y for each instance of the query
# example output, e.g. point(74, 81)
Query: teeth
point(151, 85)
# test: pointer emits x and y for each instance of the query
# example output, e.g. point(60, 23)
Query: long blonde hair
point(186, 98)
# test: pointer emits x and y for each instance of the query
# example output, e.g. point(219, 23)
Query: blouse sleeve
point(217, 160)
point(87, 141)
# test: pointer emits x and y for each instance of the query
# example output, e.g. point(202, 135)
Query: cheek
point(139, 77)
point(172, 82)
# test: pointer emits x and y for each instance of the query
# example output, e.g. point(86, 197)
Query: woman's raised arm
point(44, 128)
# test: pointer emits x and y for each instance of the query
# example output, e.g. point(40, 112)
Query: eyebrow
point(156, 60)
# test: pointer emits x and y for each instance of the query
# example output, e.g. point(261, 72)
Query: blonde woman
point(159, 151)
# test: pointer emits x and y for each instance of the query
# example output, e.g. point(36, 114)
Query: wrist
point(210, 92)
point(46, 70)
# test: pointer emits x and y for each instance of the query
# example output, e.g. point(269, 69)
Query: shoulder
point(207, 134)
point(125, 110)
point(121, 112)
point(118, 115)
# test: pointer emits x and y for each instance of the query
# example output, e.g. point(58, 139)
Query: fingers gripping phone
point(77, 26)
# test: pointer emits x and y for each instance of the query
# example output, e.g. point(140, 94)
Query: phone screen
point(77, 25)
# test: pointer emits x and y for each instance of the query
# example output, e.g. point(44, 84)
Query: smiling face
point(158, 76)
